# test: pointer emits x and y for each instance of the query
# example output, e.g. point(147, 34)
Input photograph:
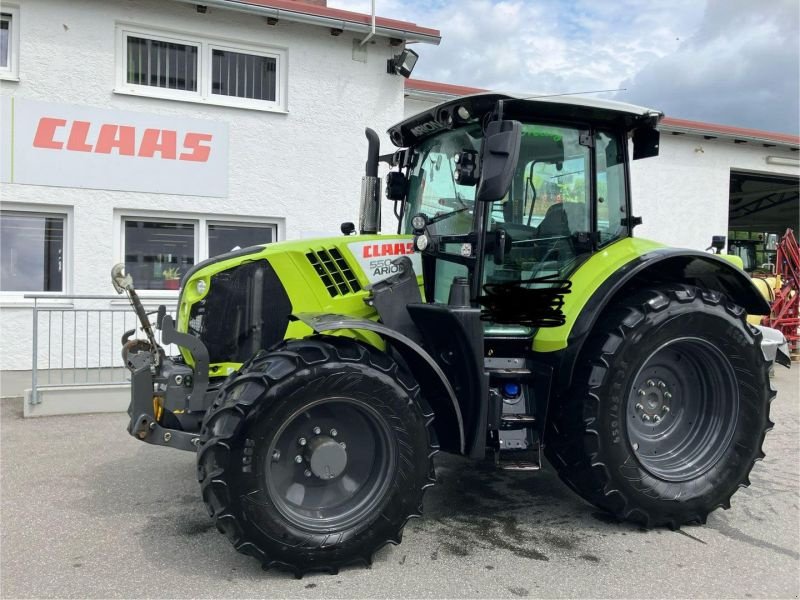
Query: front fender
point(436, 388)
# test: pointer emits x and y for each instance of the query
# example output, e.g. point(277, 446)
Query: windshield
point(549, 218)
point(433, 189)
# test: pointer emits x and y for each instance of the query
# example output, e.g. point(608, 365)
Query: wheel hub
point(654, 401)
point(325, 457)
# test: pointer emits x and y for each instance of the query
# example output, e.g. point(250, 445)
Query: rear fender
point(664, 265)
point(436, 388)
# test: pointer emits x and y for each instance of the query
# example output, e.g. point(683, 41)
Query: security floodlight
point(403, 63)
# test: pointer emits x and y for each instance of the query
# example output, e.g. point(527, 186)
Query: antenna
point(571, 94)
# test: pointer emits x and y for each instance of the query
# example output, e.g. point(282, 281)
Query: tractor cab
point(564, 187)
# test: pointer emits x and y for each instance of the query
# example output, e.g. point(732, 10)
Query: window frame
point(205, 45)
point(64, 213)
point(200, 222)
point(623, 231)
point(233, 221)
point(124, 218)
point(246, 102)
point(151, 90)
point(11, 72)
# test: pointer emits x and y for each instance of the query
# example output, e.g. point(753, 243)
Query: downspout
point(371, 34)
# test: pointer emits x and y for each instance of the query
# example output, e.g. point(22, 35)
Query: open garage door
point(761, 209)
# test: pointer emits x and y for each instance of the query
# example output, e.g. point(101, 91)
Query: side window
point(610, 169)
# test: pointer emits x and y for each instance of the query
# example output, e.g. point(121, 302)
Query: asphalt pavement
point(89, 512)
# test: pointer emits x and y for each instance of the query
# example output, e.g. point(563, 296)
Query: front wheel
point(316, 455)
point(668, 410)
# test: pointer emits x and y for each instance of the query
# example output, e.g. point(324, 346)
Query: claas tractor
point(512, 316)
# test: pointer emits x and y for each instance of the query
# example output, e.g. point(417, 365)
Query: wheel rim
point(682, 409)
point(330, 464)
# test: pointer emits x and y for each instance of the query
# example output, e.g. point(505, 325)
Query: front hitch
point(154, 381)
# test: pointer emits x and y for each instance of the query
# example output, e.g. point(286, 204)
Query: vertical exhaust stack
point(369, 213)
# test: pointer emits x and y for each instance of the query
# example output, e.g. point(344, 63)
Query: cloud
point(733, 61)
point(741, 67)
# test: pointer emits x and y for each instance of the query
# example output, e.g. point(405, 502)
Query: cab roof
point(546, 108)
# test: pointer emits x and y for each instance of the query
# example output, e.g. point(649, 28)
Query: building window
point(162, 64)
point(158, 253)
point(31, 252)
point(197, 69)
point(159, 250)
point(9, 43)
point(224, 237)
point(243, 75)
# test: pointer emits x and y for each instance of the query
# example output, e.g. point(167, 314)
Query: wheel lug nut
point(642, 393)
point(334, 433)
point(645, 417)
point(317, 430)
point(651, 383)
point(307, 473)
point(639, 406)
point(665, 408)
point(302, 441)
point(667, 395)
point(662, 385)
point(298, 459)
point(657, 419)
point(343, 445)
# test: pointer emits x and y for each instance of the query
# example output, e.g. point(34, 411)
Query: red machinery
point(785, 314)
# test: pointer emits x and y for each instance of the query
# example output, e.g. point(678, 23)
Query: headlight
point(418, 222)
point(421, 242)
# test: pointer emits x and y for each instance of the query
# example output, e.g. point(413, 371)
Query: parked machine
point(785, 308)
point(512, 315)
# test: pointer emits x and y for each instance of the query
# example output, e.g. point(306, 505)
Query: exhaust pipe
point(369, 212)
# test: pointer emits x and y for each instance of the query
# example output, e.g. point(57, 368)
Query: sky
point(733, 62)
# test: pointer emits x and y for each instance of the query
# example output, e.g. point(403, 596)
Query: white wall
point(682, 194)
point(303, 168)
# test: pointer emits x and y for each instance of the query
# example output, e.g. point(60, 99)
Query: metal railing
point(77, 341)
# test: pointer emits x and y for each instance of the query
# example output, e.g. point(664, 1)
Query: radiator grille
point(334, 272)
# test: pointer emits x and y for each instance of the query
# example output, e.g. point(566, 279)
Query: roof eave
point(712, 131)
point(298, 16)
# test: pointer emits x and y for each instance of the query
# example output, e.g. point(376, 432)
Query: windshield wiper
point(447, 215)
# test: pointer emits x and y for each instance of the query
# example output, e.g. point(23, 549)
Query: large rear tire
point(668, 410)
point(316, 455)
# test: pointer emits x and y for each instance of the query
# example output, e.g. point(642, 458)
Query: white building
point(161, 132)
point(707, 180)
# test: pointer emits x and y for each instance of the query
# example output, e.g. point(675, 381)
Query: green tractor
point(512, 315)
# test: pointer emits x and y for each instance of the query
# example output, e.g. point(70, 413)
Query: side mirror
point(499, 155)
point(396, 185)
point(645, 142)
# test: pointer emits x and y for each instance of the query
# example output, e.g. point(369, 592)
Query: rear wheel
point(316, 455)
point(668, 411)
